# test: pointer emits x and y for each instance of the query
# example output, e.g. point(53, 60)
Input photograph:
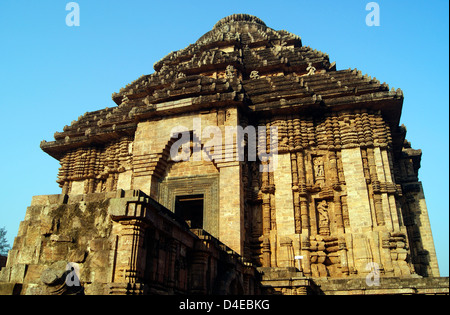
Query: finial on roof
point(239, 18)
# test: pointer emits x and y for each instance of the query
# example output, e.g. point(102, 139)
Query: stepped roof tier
point(241, 61)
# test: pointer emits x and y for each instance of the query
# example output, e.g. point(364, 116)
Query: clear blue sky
point(51, 73)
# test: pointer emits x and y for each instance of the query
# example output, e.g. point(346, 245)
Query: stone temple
point(330, 204)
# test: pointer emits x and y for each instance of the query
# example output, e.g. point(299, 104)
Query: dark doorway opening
point(190, 209)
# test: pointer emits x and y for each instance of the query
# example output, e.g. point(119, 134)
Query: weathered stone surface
point(54, 273)
point(7, 288)
point(138, 241)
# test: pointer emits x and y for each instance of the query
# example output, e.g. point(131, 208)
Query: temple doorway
point(190, 209)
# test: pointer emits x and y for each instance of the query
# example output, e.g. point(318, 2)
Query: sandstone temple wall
point(326, 165)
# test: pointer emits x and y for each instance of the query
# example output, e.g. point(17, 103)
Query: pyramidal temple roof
point(240, 61)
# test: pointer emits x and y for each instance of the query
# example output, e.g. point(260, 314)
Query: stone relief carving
point(311, 69)
point(318, 167)
point(229, 72)
point(254, 75)
point(324, 219)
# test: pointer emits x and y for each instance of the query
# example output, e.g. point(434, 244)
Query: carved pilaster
point(306, 261)
point(199, 265)
point(333, 175)
point(376, 187)
point(304, 214)
point(266, 214)
point(338, 214)
point(345, 215)
point(296, 197)
point(130, 255)
point(132, 236)
point(301, 174)
point(266, 252)
point(302, 192)
point(343, 255)
point(340, 169)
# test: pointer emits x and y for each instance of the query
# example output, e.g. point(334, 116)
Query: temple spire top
point(239, 18)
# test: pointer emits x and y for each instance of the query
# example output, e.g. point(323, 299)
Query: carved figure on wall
point(229, 72)
point(254, 75)
point(324, 219)
point(318, 167)
point(311, 69)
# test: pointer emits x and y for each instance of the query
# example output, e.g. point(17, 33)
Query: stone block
point(10, 288)
point(98, 244)
point(99, 259)
point(33, 273)
point(77, 255)
point(18, 272)
point(33, 212)
point(40, 200)
point(5, 274)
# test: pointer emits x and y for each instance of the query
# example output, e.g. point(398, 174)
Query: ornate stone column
point(131, 214)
